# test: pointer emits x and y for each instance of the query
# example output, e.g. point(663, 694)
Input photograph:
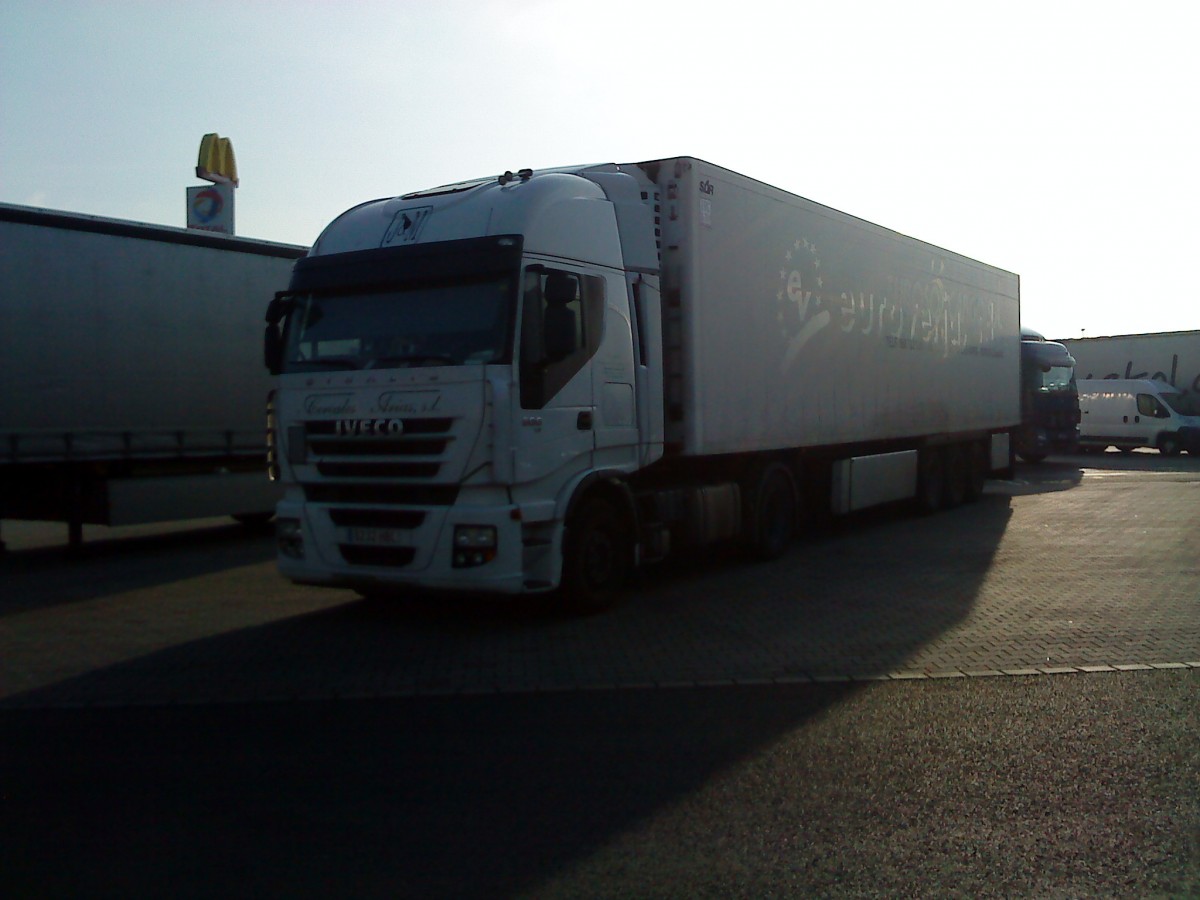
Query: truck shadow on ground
point(44, 577)
point(852, 599)
point(466, 797)
point(482, 794)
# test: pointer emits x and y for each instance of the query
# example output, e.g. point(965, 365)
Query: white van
point(1128, 413)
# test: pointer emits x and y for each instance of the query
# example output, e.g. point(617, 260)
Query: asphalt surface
point(1063, 786)
point(999, 701)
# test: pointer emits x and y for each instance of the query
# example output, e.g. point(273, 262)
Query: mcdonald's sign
point(216, 162)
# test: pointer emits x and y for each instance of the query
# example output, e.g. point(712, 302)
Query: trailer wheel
point(931, 479)
point(1168, 445)
point(978, 463)
point(955, 490)
point(773, 516)
point(596, 556)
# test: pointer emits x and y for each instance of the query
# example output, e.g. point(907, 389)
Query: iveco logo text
point(707, 187)
point(329, 405)
point(368, 427)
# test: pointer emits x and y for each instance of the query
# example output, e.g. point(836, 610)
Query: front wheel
point(1168, 445)
point(596, 556)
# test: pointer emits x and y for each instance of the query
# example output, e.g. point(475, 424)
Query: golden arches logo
point(216, 162)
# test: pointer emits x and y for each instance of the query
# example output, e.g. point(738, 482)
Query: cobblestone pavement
point(1082, 564)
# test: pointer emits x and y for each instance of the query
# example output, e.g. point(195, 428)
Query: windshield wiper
point(412, 359)
point(346, 362)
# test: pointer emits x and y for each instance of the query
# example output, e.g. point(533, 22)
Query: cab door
point(561, 325)
point(614, 383)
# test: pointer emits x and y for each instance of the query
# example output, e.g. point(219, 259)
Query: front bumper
point(422, 557)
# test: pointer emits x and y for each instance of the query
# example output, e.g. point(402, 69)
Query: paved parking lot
point(1081, 564)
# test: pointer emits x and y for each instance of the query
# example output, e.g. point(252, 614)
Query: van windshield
point(1183, 404)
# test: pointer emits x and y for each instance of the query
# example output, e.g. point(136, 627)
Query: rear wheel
point(955, 491)
point(931, 479)
point(773, 515)
point(596, 556)
point(978, 464)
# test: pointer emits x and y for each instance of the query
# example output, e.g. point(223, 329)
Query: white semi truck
point(133, 387)
point(543, 379)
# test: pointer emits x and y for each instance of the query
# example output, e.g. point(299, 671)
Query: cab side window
point(561, 323)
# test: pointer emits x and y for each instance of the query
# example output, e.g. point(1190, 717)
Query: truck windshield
point(1050, 379)
point(430, 324)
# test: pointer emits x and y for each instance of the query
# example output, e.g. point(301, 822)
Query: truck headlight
point(474, 545)
point(289, 537)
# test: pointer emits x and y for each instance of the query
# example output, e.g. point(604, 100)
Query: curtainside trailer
point(132, 370)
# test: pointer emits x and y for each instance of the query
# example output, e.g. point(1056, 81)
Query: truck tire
point(955, 491)
point(773, 513)
point(931, 479)
point(596, 556)
point(978, 463)
point(1169, 445)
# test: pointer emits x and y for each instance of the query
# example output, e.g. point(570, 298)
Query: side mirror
point(279, 307)
point(273, 349)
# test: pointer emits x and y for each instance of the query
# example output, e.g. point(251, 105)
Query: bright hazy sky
point(1058, 140)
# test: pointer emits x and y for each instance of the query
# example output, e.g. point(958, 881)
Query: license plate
point(386, 536)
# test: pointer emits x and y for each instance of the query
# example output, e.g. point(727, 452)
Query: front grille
point(417, 452)
point(377, 518)
point(378, 469)
point(376, 447)
point(377, 488)
point(393, 494)
point(440, 425)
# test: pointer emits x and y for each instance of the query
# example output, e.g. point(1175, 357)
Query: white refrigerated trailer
point(1172, 357)
point(546, 378)
point(133, 388)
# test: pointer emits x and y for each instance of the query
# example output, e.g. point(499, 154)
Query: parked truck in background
point(133, 388)
point(1049, 399)
point(1172, 357)
point(547, 378)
